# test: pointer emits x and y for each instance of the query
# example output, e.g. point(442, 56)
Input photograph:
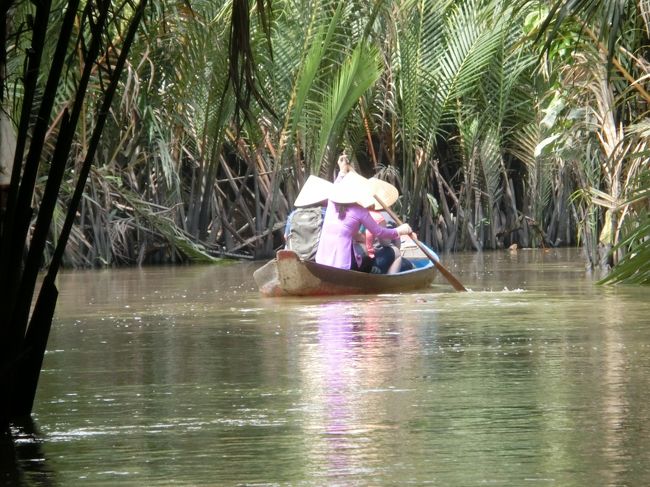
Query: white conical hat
point(354, 188)
point(315, 190)
point(385, 191)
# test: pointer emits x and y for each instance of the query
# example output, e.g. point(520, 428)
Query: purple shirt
point(335, 246)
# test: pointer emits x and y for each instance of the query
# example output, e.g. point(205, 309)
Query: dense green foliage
point(501, 122)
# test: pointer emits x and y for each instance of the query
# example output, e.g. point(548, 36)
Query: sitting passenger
point(347, 210)
point(388, 256)
point(385, 253)
point(304, 224)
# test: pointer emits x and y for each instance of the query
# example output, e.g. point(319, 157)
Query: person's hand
point(404, 229)
point(344, 164)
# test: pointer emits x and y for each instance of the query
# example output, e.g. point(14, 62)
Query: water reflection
point(22, 460)
point(335, 366)
point(357, 384)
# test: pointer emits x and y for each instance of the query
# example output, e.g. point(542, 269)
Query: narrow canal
point(186, 376)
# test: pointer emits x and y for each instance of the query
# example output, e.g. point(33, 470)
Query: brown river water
point(187, 376)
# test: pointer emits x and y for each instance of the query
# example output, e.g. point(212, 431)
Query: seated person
point(304, 224)
point(347, 210)
point(387, 258)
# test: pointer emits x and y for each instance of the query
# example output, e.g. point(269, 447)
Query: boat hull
point(287, 275)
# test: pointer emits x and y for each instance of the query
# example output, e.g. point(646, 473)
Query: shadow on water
point(22, 460)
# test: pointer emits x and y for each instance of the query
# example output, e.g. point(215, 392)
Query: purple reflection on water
point(336, 350)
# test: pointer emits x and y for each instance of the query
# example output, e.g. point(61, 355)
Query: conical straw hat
point(315, 190)
point(354, 188)
point(385, 191)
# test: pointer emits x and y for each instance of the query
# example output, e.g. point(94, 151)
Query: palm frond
point(634, 267)
point(612, 19)
point(356, 76)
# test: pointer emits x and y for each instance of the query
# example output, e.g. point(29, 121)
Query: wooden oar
point(432, 256)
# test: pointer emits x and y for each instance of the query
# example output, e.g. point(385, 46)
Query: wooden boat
point(287, 275)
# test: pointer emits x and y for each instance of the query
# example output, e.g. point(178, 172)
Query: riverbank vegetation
point(502, 123)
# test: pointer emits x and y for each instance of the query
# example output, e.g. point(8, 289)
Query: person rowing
point(348, 208)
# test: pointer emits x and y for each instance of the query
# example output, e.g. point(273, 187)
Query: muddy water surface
point(185, 375)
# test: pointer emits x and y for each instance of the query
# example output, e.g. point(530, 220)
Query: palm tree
point(607, 86)
point(464, 92)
